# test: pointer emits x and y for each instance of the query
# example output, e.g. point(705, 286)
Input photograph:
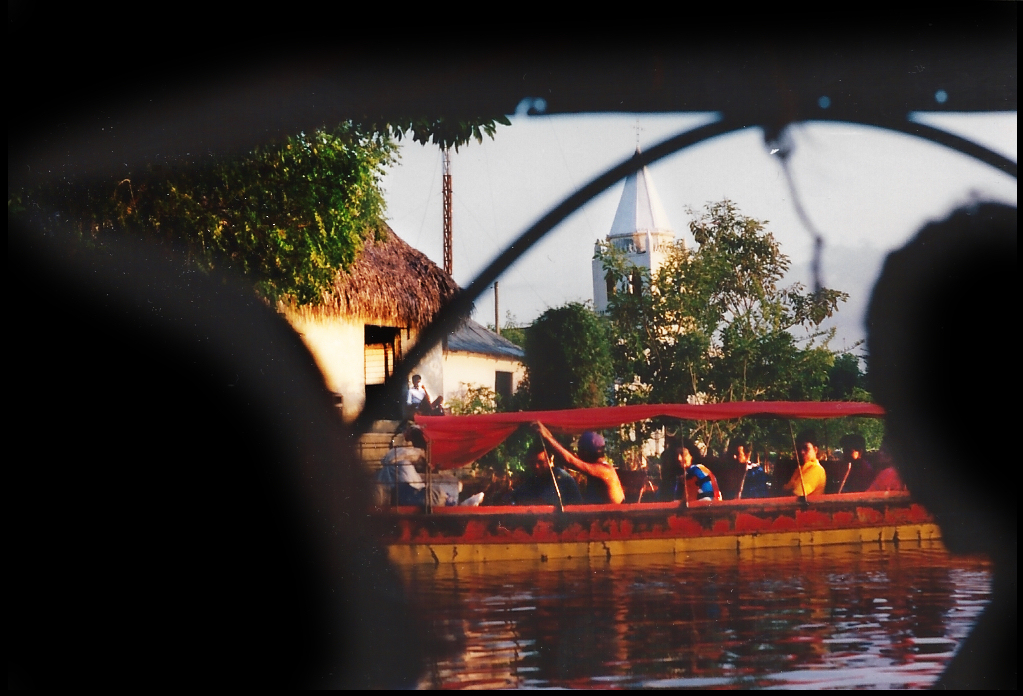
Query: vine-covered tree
point(568, 364)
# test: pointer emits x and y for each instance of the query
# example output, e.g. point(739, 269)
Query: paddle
point(554, 478)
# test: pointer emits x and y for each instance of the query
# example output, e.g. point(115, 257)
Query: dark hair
point(694, 449)
point(534, 449)
point(805, 436)
point(415, 437)
point(853, 441)
point(734, 445)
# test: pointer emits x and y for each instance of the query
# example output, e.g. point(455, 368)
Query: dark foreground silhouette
point(183, 507)
point(943, 361)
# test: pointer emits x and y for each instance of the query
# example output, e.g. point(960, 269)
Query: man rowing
point(539, 487)
point(602, 483)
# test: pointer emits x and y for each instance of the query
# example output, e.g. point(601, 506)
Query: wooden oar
point(742, 483)
point(845, 478)
point(799, 467)
point(554, 478)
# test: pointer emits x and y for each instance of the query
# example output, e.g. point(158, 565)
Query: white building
point(475, 355)
point(373, 317)
point(640, 230)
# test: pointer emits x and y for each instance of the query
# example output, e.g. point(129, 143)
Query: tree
point(446, 133)
point(714, 324)
point(288, 214)
point(568, 362)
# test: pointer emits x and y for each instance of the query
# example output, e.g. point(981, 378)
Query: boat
point(442, 535)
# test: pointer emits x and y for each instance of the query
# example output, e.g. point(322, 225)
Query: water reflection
point(842, 616)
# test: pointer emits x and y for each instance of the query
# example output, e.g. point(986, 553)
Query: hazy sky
point(866, 190)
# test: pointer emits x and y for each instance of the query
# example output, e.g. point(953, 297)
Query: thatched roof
point(390, 283)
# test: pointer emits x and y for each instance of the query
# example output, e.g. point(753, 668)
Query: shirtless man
point(602, 484)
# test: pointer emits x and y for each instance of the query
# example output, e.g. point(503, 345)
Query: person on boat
point(729, 469)
point(962, 267)
point(399, 481)
point(809, 478)
point(858, 473)
point(669, 468)
point(756, 483)
point(538, 486)
point(698, 483)
point(602, 483)
point(887, 478)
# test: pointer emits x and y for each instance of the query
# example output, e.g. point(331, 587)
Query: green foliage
point(289, 215)
point(846, 380)
point(511, 330)
point(568, 362)
point(446, 133)
point(713, 324)
point(475, 399)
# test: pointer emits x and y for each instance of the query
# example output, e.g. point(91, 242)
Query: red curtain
point(459, 440)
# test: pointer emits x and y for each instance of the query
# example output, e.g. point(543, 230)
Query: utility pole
point(446, 184)
point(497, 312)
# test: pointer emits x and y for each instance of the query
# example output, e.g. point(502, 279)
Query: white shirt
point(400, 461)
point(416, 396)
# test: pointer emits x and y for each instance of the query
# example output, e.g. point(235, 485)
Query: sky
point(866, 190)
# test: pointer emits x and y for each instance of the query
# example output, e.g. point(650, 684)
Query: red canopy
point(459, 440)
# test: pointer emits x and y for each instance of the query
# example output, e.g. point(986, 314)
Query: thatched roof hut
point(371, 318)
point(390, 283)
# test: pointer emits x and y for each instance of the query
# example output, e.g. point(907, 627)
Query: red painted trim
point(587, 523)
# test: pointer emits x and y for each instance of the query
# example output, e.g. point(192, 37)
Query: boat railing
point(824, 502)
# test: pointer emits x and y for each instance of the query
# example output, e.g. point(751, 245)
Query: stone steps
point(373, 445)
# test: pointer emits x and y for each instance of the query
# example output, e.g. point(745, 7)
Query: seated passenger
point(538, 486)
point(399, 481)
point(669, 469)
point(602, 484)
point(700, 483)
point(756, 483)
point(858, 473)
point(887, 478)
point(730, 470)
point(809, 478)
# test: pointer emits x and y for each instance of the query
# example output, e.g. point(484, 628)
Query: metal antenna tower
point(446, 184)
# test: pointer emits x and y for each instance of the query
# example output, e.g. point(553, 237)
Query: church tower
point(641, 230)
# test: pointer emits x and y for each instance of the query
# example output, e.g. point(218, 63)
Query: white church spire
point(640, 230)
point(639, 208)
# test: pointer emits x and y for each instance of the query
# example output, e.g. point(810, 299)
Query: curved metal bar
point(952, 141)
point(452, 314)
point(462, 304)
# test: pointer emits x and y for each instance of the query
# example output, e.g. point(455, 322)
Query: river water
point(823, 617)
